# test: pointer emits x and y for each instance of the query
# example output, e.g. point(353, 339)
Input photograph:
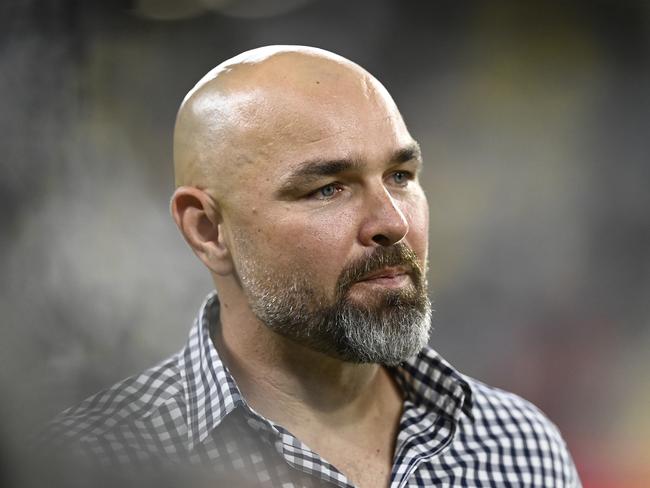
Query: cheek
point(416, 212)
point(313, 243)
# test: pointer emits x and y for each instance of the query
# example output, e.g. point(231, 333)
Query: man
point(297, 186)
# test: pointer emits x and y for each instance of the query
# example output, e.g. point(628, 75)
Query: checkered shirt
point(454, 430)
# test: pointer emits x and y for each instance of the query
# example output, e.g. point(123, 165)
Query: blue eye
point(401, 177)
point(327, 191)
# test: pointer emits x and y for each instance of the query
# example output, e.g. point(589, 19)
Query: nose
point(384, 223)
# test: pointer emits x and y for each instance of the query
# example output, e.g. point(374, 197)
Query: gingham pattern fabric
point(454, 430)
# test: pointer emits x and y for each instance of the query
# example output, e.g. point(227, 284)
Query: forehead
point(279, 130)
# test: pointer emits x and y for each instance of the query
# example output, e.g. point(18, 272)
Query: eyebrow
point(317, 168)
point(408, 153)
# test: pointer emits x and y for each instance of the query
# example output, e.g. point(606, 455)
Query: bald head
point(244, 109)
point(291, 163)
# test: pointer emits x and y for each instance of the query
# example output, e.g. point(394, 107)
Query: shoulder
point(507, 412)
point(145, 412)
point(517, 436)
point(491, 436)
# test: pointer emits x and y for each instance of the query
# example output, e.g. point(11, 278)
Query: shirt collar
point(428, 380)
point(211, 392)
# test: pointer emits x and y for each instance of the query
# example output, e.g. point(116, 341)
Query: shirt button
point(257, 425)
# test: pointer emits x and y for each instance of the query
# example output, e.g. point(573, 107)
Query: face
point(328, 224)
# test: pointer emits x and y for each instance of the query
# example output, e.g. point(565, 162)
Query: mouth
point(392, 277)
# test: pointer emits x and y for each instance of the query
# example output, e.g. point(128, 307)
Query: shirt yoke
point(143, 414)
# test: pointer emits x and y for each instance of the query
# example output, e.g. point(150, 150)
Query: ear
point(200, 222)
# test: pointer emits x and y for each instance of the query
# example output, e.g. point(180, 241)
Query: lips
point(386, 273)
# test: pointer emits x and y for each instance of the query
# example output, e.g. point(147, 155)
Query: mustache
point(382, 257)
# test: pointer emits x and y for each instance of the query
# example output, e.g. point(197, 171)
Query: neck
point(347, 413)
point(287, 382)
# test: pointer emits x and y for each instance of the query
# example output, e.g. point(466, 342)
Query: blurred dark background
point(534, 120)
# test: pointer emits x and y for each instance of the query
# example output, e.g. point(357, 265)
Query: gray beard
point(392, 329)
